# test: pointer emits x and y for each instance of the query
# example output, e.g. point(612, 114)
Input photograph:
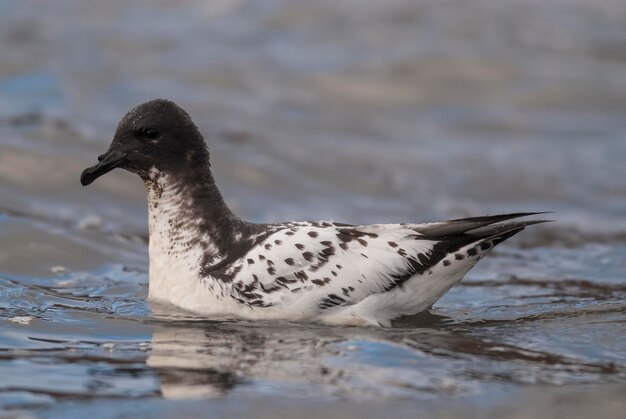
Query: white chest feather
point(176, 252)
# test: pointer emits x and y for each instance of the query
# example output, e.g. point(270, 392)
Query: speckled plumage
point(205, 259)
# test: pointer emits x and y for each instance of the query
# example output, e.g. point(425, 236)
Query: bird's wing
point(332, 265)
point(341, 265)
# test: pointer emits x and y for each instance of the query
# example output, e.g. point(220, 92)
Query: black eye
point(151, 133)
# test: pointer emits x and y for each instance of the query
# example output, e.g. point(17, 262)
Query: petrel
point(205, 259)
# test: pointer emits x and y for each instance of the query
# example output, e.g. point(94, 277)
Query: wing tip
point(474, 224)
point(499, 233)
point(500, 217)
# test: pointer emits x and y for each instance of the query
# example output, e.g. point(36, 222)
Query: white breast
point(175, 262)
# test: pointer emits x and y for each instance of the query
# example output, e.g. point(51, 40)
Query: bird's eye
point(151, 133)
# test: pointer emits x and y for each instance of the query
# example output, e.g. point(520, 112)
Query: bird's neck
point(186, 210)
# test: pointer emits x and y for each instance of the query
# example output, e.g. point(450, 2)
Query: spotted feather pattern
point(329, 265)
point(324, 271)
point(205, 259)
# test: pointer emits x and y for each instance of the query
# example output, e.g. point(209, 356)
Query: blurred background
point(355, 110)
point(358, 111)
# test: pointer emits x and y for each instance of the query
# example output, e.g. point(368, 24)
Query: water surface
point(353, 111)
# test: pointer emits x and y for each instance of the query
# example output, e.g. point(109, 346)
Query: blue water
point(360, 112)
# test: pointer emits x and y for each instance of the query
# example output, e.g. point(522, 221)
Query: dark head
point(154, 135)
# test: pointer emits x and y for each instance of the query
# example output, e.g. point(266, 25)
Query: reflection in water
point(208, 361)
point(84, 337)
point(200, 360)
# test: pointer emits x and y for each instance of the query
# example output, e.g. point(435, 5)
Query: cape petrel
point(206, 260)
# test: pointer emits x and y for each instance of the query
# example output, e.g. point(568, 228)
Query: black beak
point(107, 162)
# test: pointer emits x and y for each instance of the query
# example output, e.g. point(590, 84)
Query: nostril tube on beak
point(106, 162)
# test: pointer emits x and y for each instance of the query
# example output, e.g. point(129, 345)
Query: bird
point(206, 260)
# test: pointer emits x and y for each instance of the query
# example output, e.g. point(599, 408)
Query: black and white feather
point(361, 274)
point(205, 259)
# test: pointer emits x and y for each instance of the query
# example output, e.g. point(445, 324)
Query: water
point(353, 111)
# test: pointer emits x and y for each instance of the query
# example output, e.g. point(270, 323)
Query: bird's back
point(358, 274)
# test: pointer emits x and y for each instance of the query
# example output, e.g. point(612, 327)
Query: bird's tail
point(483, 232)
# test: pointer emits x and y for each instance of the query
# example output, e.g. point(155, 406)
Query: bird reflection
point(428, 354)
point(209, 360)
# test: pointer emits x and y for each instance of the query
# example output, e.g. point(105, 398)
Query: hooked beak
point(107, 162)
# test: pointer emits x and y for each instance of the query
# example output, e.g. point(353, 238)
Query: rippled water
point(357, 111)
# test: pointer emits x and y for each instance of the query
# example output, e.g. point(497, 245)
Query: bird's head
point(156, 135)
